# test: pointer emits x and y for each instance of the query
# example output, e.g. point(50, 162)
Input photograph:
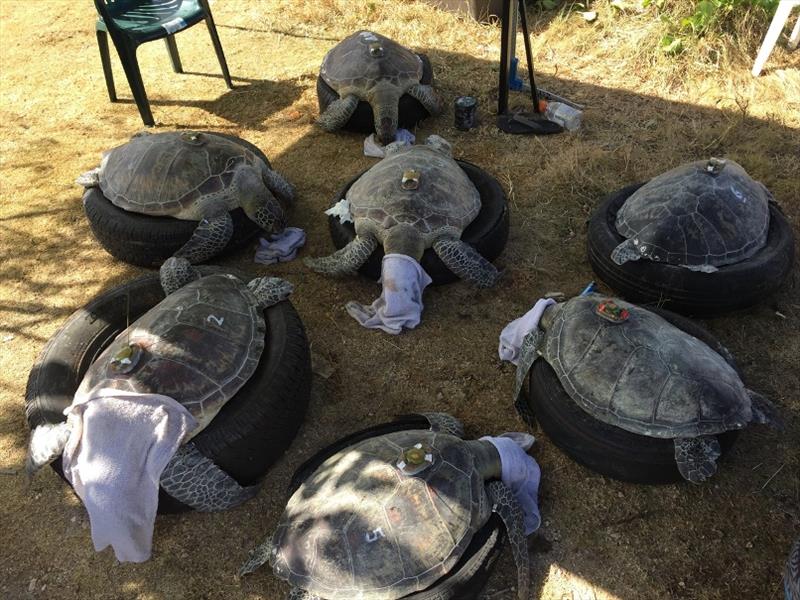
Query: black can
point(466, 108)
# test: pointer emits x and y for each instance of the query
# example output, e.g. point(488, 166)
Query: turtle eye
point(376, 50)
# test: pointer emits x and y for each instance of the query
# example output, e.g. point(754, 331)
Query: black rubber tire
point(469, 575)
point(606, 449)
point(148, 241)
point(488, 233)
point(733, 287)
point(410, 110)
point(252, 430)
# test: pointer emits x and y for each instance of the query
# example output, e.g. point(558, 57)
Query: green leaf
point(671, 45)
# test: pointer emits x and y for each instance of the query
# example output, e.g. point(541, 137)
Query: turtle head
point(175, 273)
point(440, 144)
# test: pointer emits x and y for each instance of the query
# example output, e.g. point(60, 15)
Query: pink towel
point(400, 302)
point(280, 247)
point(119, 444)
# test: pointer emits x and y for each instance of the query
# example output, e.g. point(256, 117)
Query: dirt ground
point(600, 538)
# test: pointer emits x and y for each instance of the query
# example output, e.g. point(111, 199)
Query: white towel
point(512, 335)
point(521, 473)
point(280, 247)
point(119, 444)
point(400, 302)
point(372, 148)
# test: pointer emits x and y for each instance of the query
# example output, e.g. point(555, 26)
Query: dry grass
point(645, 113)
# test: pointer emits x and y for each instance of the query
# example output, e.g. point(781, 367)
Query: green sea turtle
point(368, 66)
point(196, 177)
point(391, 515)
point(628, 367)
point(791, 579)
point(415, 198)
point(198, 346)
point(702, 216)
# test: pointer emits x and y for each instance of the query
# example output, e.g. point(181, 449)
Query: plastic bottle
point(566, 116)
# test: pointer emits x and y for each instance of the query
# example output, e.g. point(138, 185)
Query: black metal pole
point(507, 24)
point(529, 55)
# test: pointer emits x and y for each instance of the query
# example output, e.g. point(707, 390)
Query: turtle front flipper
point(46, 444)
point(344, 261)
point(278, 185)
point(338, 113)
point(194, 479)
point(270, 290)
point(697, 457)
point(764, 411)
point(209, 239)
point(466, 262)
point(625, 252)
point(176, 273)
point(528, 353)
point(506, 506)
point(427, 96)
point(445, 423)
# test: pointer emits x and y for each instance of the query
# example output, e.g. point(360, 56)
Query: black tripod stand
point(518, 122)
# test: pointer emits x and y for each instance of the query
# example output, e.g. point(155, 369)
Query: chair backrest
point(139, 12)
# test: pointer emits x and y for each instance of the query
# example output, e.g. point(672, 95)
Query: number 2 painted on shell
point(216, 320)
point(372, 536)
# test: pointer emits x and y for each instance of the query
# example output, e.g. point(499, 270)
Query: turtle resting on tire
point(390, 515)
point(415, 198)
point(701, 216)
point(197, 177)
point(628, 367)
point(368, 66)
point(198, 346)
point(791, 579)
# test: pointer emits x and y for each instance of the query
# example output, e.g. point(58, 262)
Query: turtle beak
point(386, 134)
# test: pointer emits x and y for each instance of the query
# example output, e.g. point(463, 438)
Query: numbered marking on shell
point(215, 319)
point(374, 535)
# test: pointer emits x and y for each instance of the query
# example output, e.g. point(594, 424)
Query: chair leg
point(127, 55)
point(105, 58)
point(773, 33)
point(794, 39)
point(212, 30)
point(172, 48)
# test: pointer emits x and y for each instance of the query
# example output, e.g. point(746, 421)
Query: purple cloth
point(372, 148)
point(521, 473)
point(119, 444)
point(280, 247)
point(512, 335)
point(400, 302)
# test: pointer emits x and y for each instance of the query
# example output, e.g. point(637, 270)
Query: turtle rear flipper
point(507, 507)
point(175, 273)
point(445, 423)
point(338, 113)
point(697, 457)
point(46, 444)
point(764, 411)
point(270, 290)
point(625, 252)
point(194, 479)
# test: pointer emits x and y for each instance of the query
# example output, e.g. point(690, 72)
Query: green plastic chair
point(131, 23)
